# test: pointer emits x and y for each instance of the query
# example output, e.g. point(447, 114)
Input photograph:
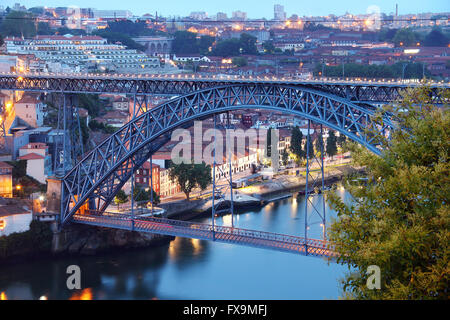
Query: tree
point(142, 196)
point(18, 24)
point(122, 38)
point(331, 147)
point(311, 147)
point(269, 143)
point(248, 44)
point(435, 39)
point(341, 140)
point(185, 42)
point(44, 28)
point(405, 37)
point(268, 47)
point(191, 175)
point(400, 220)
point(284, 157)
point(319, 144)
point(120, 198)
point(240, 61)
point(296, 144)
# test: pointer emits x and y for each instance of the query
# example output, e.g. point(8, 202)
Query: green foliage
point(19, 168)
point(44, 29)
point(268, 47)
point(269, 143)
point(75, 32)
point(115, 37)
point(120, 198)
point(132, 29)
point(186, 42)
point(142, 197)
point(311, 147)
point(240, 61)
point(30, 243)
point(436, 38)
point(296, 144)
point(341, 140)
point(90, 102)
point(246, 44)
point(84, 131)
point(405, 37)
point(400, 221)
point(331, 147)
point(99, 126)
point(191, 175)
point(284, 157)
point(18, 24)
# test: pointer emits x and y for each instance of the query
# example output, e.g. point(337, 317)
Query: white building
point(38, 160)
point(68, 53)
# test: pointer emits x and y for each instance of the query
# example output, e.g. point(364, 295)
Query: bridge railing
point(207, 76)
point(194, 227)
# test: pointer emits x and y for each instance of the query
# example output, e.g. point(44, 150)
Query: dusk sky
point(254, 8)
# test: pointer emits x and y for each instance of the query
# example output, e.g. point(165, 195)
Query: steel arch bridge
point(102, 173)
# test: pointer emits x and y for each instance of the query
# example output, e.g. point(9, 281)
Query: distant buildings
point(278, 12)
point(239, 15)
point(70, 53)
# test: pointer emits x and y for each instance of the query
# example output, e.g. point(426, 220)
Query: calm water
point(192, 269)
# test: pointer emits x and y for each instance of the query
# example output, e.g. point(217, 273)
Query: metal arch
point(105, 169)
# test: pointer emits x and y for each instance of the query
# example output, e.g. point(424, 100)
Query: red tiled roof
point(5, 165)
point(31, 156)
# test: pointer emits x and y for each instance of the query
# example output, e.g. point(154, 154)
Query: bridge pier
point(54, 185)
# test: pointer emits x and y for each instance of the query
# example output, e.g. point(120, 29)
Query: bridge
point(354, 89)
point(224, 234)
point(94, 179)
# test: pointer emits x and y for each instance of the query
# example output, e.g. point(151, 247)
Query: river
point(192, 269)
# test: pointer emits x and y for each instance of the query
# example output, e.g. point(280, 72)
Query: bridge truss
point(98, 177)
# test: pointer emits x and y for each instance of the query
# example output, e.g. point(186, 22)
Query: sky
point(254, 8)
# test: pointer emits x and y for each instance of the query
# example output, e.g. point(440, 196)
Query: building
point(167, 186)
point(5, 180)
point(239, 15)
point(38, 160)
point(30, 110)
point(221, 16)
point(155, 45)
point(144, 178)
point(112, 14)
point(278, 12)
point(68, 53)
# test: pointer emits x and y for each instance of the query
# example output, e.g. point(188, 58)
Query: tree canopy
point(18, 24)
point(246, 44)
point(296, 144)
point(190, 176)
point(331, 147)
point(400, 220)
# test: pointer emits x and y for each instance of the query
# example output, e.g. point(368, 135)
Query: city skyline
point(179, 8)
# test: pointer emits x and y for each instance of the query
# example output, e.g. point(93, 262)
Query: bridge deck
point(253, 238)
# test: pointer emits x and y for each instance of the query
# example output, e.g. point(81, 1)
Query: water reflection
point(188, 268)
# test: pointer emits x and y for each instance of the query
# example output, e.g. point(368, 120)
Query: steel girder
point(364, 91)
point(102, 173)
